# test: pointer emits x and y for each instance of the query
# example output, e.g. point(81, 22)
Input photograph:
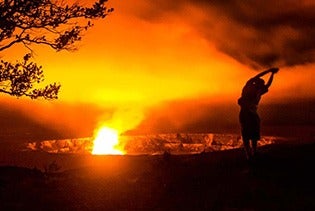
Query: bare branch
point(40, 22)
point(10, 44)
point(50, 16)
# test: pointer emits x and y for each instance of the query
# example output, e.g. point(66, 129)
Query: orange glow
point(133, 68)
point(106, 142)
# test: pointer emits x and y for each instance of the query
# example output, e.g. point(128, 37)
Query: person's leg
point(245, 120)
point(247, 148)
point(254, 147)
point(255, 134)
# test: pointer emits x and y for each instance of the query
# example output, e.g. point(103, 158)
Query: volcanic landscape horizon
point(151, 144)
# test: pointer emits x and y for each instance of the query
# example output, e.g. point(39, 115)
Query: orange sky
point(139, 57)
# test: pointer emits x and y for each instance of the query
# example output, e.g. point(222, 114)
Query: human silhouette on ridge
point(248, 116)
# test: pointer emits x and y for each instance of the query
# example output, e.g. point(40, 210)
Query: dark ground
point(282, 179)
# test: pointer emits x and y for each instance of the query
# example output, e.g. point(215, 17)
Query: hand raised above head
point(274, 69)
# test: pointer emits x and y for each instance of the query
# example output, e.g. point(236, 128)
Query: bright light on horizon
point(106, 142)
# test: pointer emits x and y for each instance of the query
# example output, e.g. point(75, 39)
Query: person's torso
point(250, 98)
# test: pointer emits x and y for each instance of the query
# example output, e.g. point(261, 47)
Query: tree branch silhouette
point(41, 22)
point(18, 79)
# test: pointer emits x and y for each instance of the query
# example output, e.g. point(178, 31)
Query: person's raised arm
point(273, 70)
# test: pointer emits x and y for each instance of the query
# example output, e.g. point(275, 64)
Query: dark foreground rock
point(281, 179)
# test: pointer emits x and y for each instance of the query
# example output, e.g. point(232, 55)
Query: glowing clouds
point(106, 142)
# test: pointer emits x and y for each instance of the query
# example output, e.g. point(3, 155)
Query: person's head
point(259, 82)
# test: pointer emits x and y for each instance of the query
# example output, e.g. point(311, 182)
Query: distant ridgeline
point(174, 143)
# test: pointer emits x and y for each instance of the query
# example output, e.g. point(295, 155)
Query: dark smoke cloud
point(256, 33)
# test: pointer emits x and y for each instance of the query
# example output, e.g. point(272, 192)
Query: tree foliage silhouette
point(40, 22)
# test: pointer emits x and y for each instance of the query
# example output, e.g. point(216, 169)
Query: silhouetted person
point(249, 119)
